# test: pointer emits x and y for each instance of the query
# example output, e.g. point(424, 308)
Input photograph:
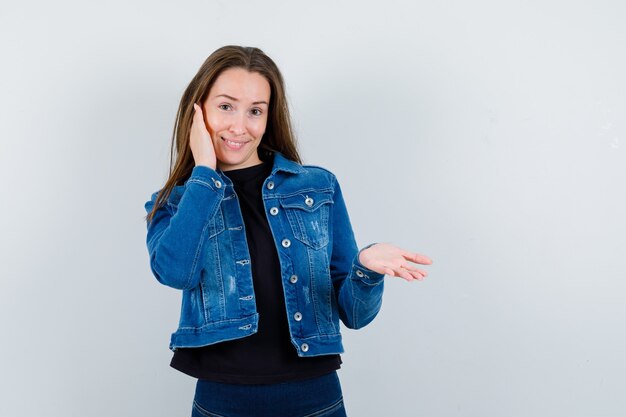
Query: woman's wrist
point(364, 249)
point(207, 164)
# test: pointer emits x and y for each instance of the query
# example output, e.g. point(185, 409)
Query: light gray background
point(489, 135)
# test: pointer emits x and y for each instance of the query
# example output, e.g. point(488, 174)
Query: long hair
point(278, 134)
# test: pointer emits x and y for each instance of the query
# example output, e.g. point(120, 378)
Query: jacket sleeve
point(359, 290)
point(176, 236)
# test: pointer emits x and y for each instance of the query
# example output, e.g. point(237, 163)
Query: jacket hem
point(214, 332)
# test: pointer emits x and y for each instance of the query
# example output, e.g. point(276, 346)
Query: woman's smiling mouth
point(231, 144)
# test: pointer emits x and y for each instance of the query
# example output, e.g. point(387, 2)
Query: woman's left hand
point(388, 259)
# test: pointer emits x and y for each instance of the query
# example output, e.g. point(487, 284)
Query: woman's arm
point(392, 260)
point(359, 290)
point(358, 276)
point(175, 240)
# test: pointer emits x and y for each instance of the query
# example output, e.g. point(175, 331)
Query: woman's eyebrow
point(235, 99)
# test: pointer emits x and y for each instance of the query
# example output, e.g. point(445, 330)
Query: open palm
point(389, 259)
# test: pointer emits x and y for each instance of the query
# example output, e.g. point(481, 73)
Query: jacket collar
point(281, 163)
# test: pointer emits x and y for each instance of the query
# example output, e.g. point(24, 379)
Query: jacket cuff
point(207, 176)
point(363, 273)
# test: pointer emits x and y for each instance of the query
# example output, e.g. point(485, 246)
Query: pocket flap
point(309, 201)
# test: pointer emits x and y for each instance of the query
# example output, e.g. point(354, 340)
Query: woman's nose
point(238, 124)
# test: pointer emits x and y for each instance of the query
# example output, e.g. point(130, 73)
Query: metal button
point(297, 316)
point(304, 347)
point(274, 211)
point(286, 243)
point(217, 183)
point(270, 185)
point(359, 273)
point(293, 279)
point(308, 201)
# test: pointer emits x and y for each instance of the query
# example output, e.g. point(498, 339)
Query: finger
point(412, 268)
point(415, 273)
point(195, 119)
point(398, 273)
point(403, 273)
point(418, 275)
point(418, 258)
point(197, 114)
point(198, 122)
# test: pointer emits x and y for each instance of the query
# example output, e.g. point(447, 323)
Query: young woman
point(261, 247)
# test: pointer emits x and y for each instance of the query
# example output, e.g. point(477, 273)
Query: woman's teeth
point(232, 144)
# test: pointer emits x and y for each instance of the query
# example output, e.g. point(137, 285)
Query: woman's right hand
point(200, 140)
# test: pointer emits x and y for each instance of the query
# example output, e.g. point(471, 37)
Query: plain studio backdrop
point(488, 135)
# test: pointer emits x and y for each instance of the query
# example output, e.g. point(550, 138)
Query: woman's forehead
point(239, 84)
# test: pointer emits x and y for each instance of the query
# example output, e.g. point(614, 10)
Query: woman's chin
point(228, 161)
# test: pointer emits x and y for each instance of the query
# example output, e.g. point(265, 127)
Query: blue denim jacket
point(197, 243)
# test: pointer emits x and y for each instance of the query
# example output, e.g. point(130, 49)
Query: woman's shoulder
point(320, 174)
point(172, 199)
point(317, 169)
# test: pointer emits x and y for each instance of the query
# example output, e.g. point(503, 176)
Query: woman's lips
point(234, 145)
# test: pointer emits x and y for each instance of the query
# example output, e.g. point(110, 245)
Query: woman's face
point(236, 115)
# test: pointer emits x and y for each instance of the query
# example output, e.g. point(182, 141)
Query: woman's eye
point(224, 106)
point(256, 112)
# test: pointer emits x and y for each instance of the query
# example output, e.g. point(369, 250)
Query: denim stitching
point(297, 219)
point(301, 227)
point(217, 220)
point(197, 181)
point(292, 221)
point(300, 191)
point(354, 305)
point(330, 293)
point(220, 282)
point(322, 239)
point(204, 412)
point(205, 311)
point(197, 255)
point(313, 292)
point(212, 324)
point(325, 411)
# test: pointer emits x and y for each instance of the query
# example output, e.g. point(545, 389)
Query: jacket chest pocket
point(308, 215)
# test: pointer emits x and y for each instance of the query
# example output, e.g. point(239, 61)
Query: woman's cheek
point(260, 130)
point(211, 124)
